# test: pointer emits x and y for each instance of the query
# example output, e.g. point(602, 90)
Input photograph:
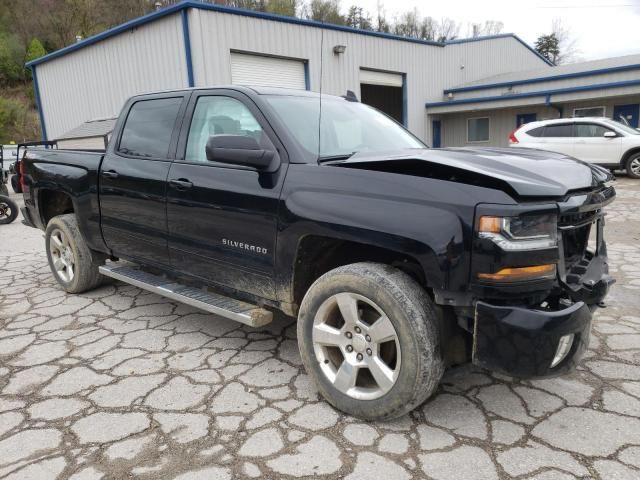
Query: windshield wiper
point(331, 158)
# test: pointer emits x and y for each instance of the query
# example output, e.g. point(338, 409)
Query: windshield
point(624, 128)
point(347, 127)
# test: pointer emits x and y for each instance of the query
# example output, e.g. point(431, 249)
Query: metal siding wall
point(429, 69)
point(501, 122)
point(95, 81)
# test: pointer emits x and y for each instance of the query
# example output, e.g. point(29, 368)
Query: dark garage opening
point(384, 98)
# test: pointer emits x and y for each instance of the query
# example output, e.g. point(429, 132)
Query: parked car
point(397, 260)
point(596, 140)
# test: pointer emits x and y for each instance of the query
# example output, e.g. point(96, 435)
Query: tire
point(412, 358)
point(8, 210)
point(633, 166)
point(65, 246)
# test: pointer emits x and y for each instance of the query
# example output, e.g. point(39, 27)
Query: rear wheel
point(8, 210)
point(69, 256)
point(368, 336)
point(633, 165)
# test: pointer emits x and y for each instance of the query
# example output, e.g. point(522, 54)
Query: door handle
point(110, 174)
point(181, 184)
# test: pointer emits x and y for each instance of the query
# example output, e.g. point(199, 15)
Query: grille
point(575, 229)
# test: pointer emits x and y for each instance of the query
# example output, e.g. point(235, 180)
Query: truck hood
point(521, 171)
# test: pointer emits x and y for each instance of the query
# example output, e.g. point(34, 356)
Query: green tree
point(358, 18)
point(282, 7)
point(11, 58)
point(549, 47)
point(327, 11)
point(34, 50)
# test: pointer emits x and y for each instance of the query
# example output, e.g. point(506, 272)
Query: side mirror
point(240, 150)
point(610, 134)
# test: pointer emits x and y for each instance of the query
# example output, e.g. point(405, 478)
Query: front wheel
point(69, 256)
point(633, 166)
point(8, 210)
point(368, 336)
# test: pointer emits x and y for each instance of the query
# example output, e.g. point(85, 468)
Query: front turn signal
point(519, 274)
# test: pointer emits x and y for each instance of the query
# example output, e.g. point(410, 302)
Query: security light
point(338, 49)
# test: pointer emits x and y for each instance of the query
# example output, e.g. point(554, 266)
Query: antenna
point(321, 78)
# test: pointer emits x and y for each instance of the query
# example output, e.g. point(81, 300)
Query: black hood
point(523, 171)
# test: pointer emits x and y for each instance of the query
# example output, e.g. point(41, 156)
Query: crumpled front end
point(548, 337)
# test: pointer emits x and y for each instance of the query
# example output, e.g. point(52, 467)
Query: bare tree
point(569, 51)
point(489, 27)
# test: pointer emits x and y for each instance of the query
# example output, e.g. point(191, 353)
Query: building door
point(384, 91)
point(523, 118)
point(265, 71)
point(628, 113)
point(436, 127)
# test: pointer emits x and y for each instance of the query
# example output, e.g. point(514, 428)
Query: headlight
point(526, 232)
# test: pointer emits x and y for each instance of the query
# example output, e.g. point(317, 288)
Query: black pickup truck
point(397, 260)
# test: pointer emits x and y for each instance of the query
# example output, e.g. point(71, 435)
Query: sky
point(600, 28)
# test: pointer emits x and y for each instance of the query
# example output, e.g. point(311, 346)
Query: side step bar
point(230, 308)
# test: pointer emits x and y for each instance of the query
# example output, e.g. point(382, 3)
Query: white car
point(591, 139)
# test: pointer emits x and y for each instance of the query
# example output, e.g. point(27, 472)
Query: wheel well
point(54, 203)
point(317, 255)
point(627, 154)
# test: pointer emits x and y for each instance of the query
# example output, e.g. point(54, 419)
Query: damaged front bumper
point(541, 342)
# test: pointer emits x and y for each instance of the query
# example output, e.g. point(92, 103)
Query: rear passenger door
point(133, 178)
point(558, 137)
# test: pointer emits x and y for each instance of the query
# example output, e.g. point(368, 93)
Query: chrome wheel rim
point(5, 210)
point(635, 166)
point(356, 346)
point(62, 256)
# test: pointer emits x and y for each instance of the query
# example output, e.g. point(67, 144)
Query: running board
point(226, 307)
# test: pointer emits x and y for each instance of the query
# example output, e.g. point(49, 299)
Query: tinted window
point(147, 131)
point(219, 115)
point(535, 132)
point(478, 130)
point(590, 130)
point(565, 130)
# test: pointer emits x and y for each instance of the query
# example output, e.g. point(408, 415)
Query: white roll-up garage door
point(267, 71)
point(372, 77)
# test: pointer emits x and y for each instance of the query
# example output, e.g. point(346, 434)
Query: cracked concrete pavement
point(120, 383)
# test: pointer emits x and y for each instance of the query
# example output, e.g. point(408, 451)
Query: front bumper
point(522, 342)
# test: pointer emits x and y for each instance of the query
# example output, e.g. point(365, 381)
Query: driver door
point(222, 219)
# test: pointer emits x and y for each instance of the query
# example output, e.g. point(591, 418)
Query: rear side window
point(555, 131)
point(148, 128)
point(535, 132)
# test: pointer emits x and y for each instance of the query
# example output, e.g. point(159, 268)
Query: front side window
point(218, 115)
point(590, 130)
point(148, 128)
point(478, 129)
point(558, 131)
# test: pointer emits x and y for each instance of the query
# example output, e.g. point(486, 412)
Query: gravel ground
point(119, 383)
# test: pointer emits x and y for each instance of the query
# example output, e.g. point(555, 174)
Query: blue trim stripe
point(307, 79)
point(187, 45)
point(36, 89)
point(502, 35)
point(251, 13)
point(540, 93)
point(404, 101)
point(564, 76)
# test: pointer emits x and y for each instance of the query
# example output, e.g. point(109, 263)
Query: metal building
point(197, 44)
point(485, 111)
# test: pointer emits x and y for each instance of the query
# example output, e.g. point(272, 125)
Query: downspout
point(558, 108)
point(187, 45)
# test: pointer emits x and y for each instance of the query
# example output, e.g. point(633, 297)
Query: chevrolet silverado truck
point(397, 260)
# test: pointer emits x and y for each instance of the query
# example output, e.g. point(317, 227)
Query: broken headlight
point(525, 232)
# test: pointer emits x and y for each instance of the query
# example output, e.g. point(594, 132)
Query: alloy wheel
point(356, 346)
point(62, 256)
